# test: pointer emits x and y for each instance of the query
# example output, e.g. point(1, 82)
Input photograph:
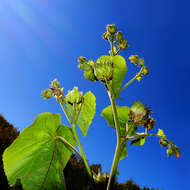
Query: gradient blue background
point(41, 40)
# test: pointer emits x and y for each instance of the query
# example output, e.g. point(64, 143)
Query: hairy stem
point(141, 135)
point(118, 146)
point(78, 140)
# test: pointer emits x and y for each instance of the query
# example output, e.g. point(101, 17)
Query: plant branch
point(78, 140)
point(141, 135)
point(133, 79)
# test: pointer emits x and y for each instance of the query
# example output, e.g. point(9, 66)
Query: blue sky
point(41, 40)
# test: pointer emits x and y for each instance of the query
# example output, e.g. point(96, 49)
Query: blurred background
point(41, 40)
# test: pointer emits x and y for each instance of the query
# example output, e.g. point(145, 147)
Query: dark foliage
point(75, 173)
point(77, 178)
point(7, 135)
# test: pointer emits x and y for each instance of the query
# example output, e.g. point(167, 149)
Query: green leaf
point(139, 142)
point(86, 113)
point(120, 70)
point(36, 157)
point(160, 132)
point(123, 116)
point(132, 128)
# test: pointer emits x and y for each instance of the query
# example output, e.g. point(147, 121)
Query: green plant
point(38, 156)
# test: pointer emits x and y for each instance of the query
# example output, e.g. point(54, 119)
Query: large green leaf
point(123, 116)
point(119, 72)
point(87, 112)
point(36, 157)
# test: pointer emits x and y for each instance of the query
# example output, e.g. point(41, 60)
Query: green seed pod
point(106, 35)
point(74, 96)
point(82, 60)
point(111, 28)
point(47, 94)
point(55, 84)
point(89, 74)
point(103, 71)
point(119, 36)
point(163, 142)
point(122, 44)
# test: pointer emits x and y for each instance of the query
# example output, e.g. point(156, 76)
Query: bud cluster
point(141, 115)
point(54, 90)
point(102, 71)
point(173, 149)
point(112, 36)
point(139, 62)
point(74, 96)
point(100, 178)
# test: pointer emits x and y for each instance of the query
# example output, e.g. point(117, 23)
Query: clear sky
point(41, 40)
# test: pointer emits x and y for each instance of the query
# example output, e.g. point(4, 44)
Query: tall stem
point(118, 146)
point(77, 139)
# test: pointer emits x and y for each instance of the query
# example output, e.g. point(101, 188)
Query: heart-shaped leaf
point(36, 157)
point(119, 72)
point(87, 112)
point(123, 117)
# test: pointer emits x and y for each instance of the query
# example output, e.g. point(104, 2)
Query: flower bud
point(138, 113)
point(100, 178)
point(134, 59)
point(46, 94)
point(106, 35)
point(122, 44)
point(176, 151)
point(177, 154)
point(82, 66)
point(139, 78)
point(119, 36)
point(163, 142)
point(103, 71)
point(169, 152)
point(74, 96)
point(90, 63)
point(111, 28)
point(150, 123)
point(82, 60)
point(57, 92)
point(145, 71)
point(55, 84)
